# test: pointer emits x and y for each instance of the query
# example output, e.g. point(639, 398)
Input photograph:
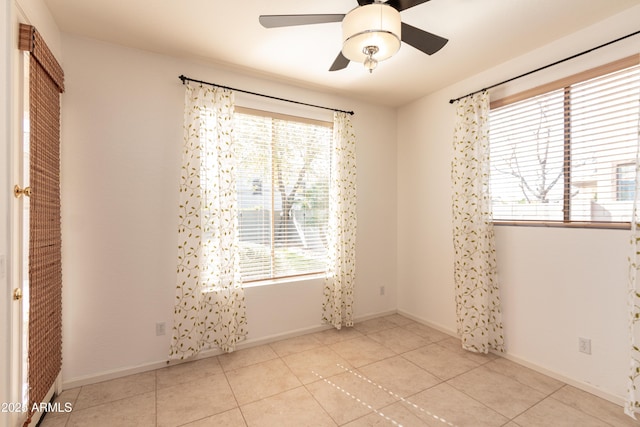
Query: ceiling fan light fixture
point(370, 63)
point(374, 25)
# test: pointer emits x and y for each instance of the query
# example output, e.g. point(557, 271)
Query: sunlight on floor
point(370, 407)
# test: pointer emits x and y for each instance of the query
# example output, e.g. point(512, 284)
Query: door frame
point(12, 247)
point(6, 23)
point(19, 241)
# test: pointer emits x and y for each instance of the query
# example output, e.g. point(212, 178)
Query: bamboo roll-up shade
point(30, 40)
point(45, 240)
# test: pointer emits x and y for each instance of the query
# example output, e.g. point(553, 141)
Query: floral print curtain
point(337, 308)
point(209, 306)
point(476, 287)
point(632, 403)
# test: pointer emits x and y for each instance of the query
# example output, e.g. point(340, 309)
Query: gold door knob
point(18, 192)
point(17, 294)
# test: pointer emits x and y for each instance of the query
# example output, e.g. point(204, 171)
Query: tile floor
point(387, 371)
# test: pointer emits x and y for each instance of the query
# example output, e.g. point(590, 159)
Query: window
point(625, 182)
point(568, 154)
point(283, 194)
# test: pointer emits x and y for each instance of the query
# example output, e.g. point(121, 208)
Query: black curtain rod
point(451, 101)
point(185, 78)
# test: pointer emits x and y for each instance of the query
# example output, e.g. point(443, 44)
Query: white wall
point(557, 284)
point(122, 132)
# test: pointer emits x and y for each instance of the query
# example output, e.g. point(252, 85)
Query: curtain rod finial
point(183, 78)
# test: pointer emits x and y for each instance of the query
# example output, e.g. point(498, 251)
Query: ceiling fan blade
point(401, 5)
point(340, 63)
point(422, 40)
point(364, 2)
point(274, 21)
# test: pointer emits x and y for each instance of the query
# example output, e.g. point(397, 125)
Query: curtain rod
point(185, 78)
point(451, 101)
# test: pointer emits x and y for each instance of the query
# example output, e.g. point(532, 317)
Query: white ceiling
point(481, 33)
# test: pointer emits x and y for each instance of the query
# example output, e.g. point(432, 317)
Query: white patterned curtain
point(476, 286)
point(337, 308)
point(632, 403)
point(209, 307)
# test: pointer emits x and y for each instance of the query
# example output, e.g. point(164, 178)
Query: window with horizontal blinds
point(568, 155)
point(283, 194)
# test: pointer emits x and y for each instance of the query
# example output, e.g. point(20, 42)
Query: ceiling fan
point(371, 32)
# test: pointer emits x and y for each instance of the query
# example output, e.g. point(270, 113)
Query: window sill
point(284, 280)
point(560, 224)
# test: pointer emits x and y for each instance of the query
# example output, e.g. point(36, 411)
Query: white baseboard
point(131, 370)
point(429, 324)
point(111, 374)
point(122, 372)
point(618, 400)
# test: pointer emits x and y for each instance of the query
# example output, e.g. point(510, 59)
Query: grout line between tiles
point(357, 399)
point(319, 403)
point(233, 393)
point(397, 396)
point(578, 409)
point(484, 404)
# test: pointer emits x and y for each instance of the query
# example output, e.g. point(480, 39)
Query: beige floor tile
point(399, 376)
point(427, 332)
point(292, 408)
point(594, 406)
point(311, 363)
point(68, 396)
point(54, 420)
point(295, 345)
point(526, 376)
point(374, 325)
point(246, 357)
point(197, 399)
point(361, 351)
point(551, 412)
point(500, 393)
point(231, 418)
point(353, 375)
point(399, 319)
point(265, 379)
point(185, 372)
point(347, 397)
point(443, 405)
point(392, 415)
point(65, 399)
point(440, 361)
point(332, 336)
point(135, 411)
point(398, 340)
point(109, 391)
point(455, 346)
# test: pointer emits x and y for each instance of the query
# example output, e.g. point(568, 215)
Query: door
point(20, 248)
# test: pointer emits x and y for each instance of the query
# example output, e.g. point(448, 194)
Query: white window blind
point(283, 194)
point(568, 155)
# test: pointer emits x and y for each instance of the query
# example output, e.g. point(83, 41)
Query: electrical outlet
point(381, 290)
point(584, 345)
point(161, 328)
